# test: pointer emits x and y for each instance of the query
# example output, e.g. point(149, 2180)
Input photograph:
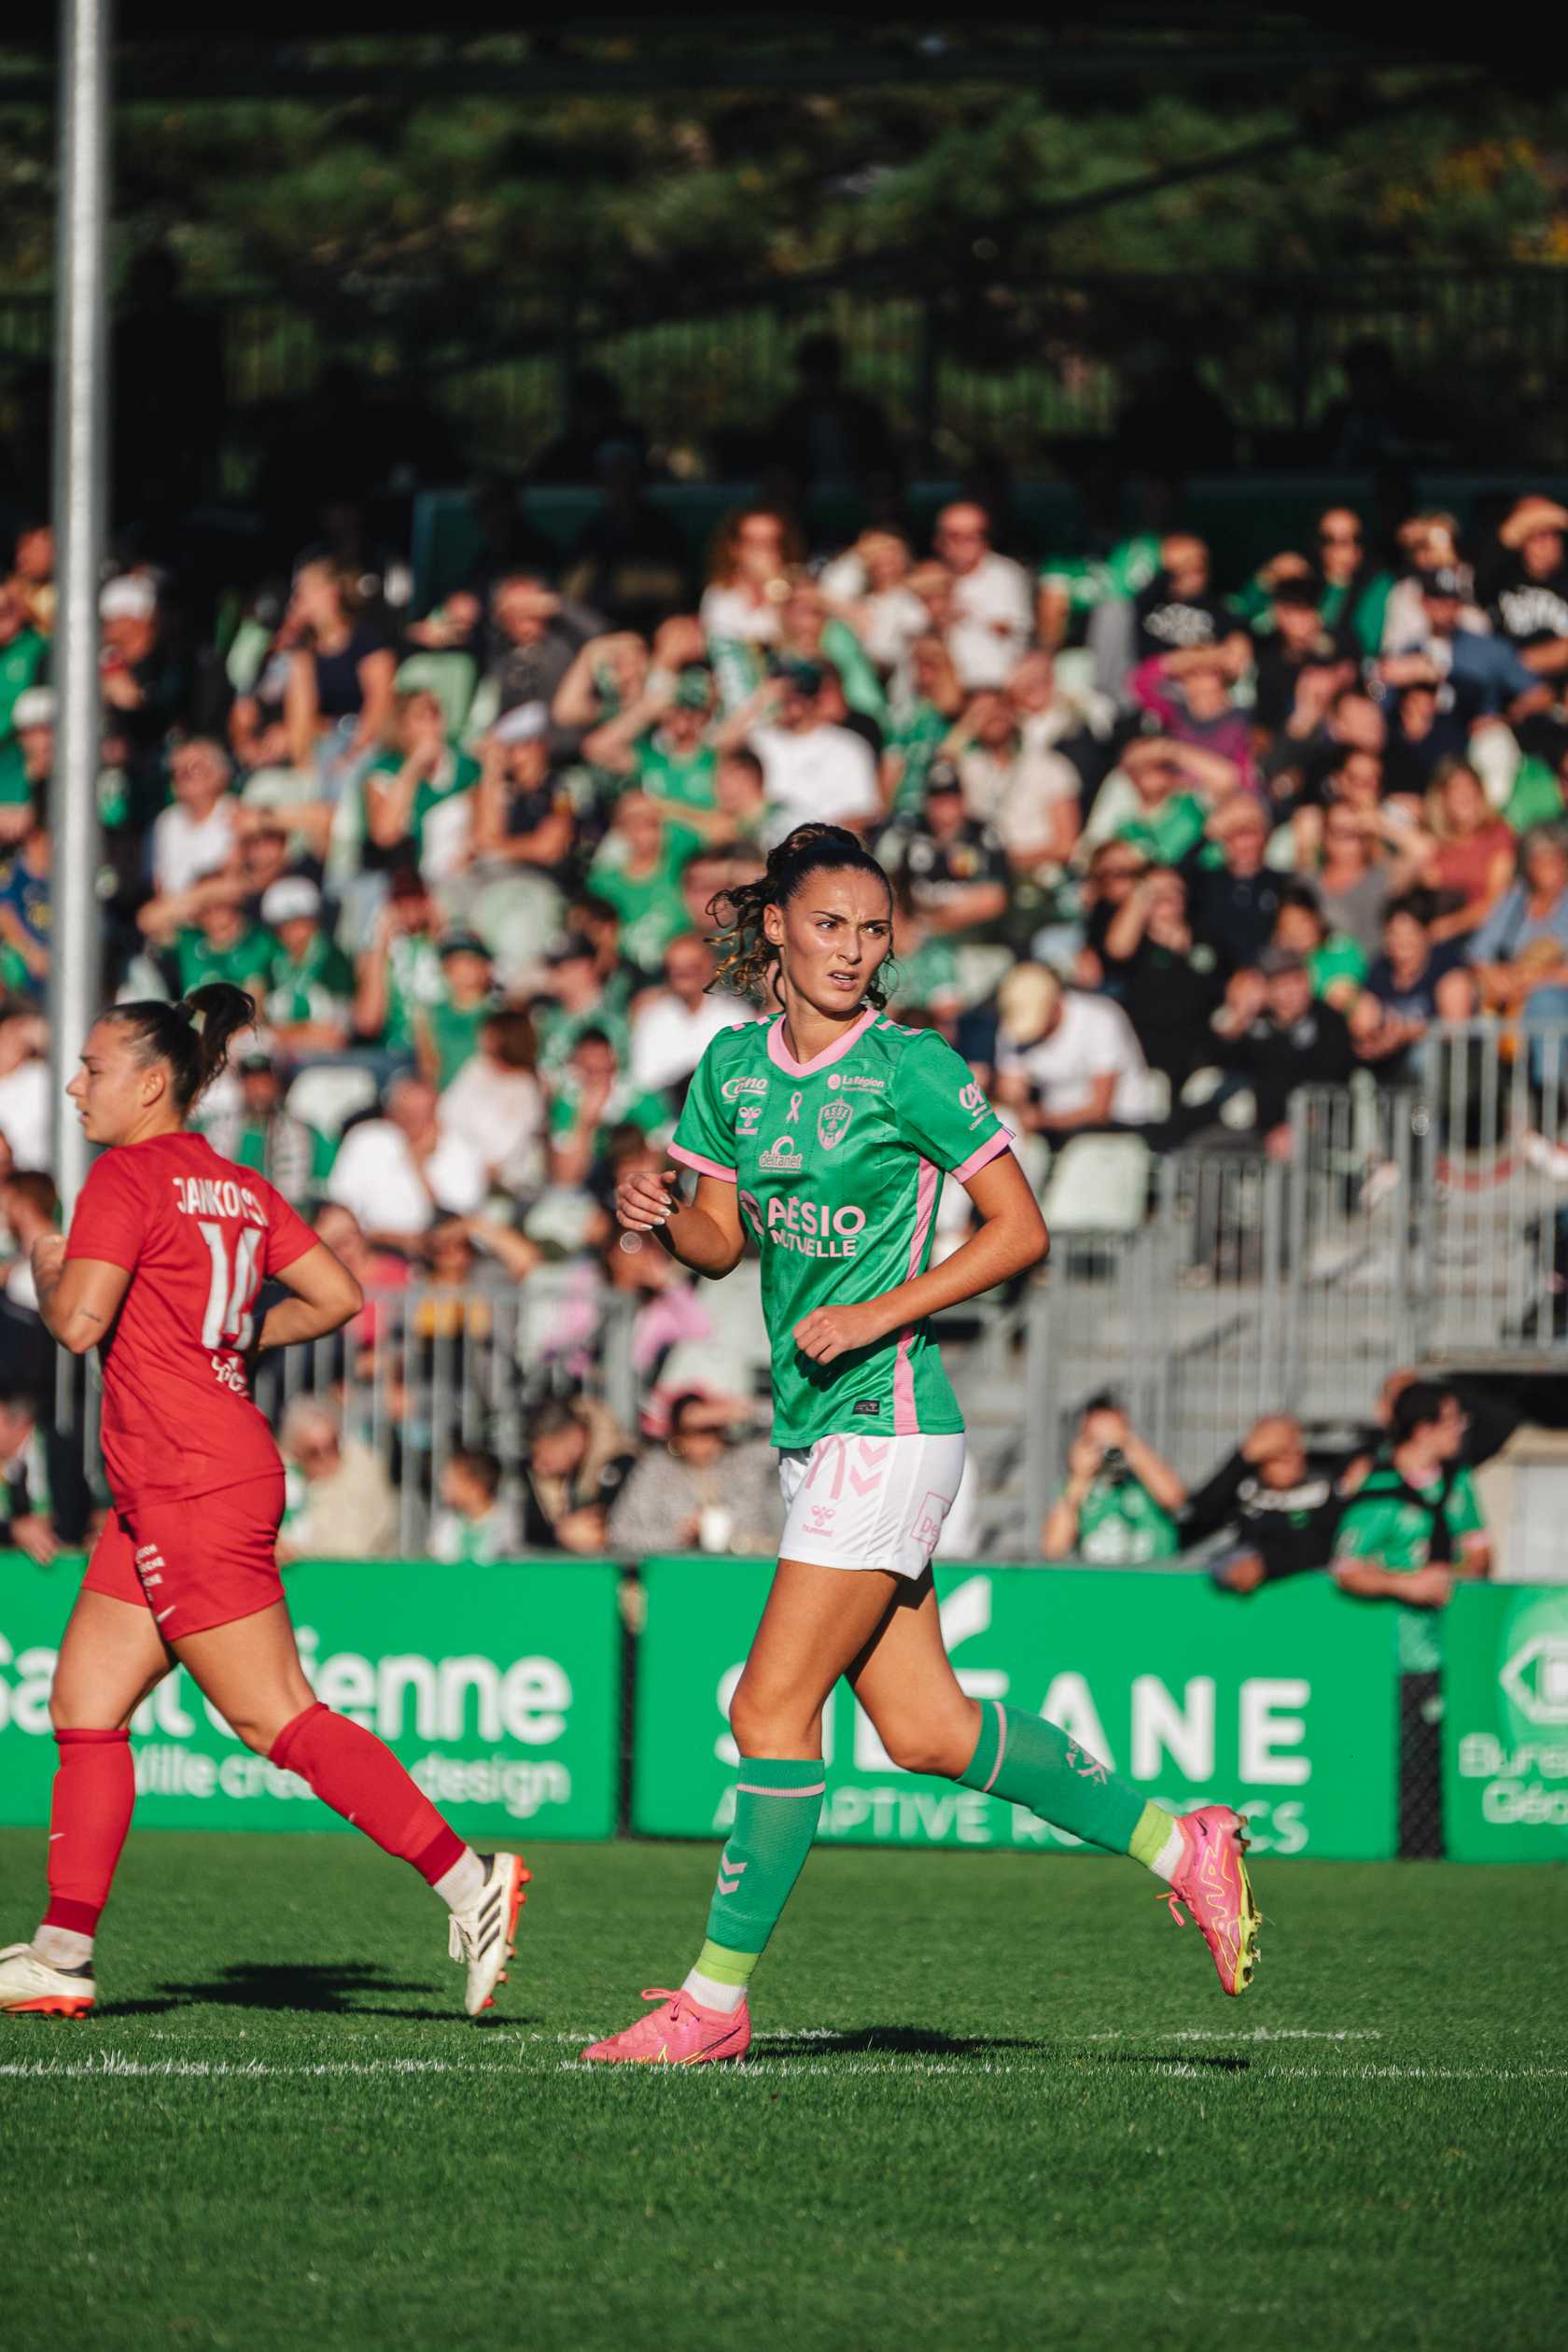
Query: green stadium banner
point(1505, 1723)
point(498, 1686)
point(1285, 1703)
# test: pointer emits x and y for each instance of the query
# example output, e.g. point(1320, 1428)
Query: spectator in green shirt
point(400, 972)
point(660, 743)
point(223, 944)
point(21, 659)
point(265, 1136)
point(1414, 1521)
point(637, 868)
point(447, 1030)
point(592, 1098)
point(1118, 1505)
point(418, 793)
point(310, 986)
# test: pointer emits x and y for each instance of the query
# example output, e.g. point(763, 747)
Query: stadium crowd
point(1164, 849)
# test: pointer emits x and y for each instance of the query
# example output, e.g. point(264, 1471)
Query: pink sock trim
point(752, 1789)
point(1002, 1747)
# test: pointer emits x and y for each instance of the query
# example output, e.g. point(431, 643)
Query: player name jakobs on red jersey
point(198, 1236)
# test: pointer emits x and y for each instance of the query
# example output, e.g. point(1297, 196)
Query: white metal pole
point(81, 345)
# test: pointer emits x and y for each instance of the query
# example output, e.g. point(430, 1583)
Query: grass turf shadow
point(896, 2041)
point(324, 1989)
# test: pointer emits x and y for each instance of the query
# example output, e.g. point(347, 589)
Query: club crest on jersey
point(782, 1159)
point(833, 1123)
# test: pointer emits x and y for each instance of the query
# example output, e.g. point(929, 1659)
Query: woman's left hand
point(829, 1332)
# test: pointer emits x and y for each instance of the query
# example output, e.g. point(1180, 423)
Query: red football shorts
point(195, 1563)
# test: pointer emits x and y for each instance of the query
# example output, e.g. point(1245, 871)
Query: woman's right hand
point(643, 1200)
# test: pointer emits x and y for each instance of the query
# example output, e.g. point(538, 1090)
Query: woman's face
point(1464, 803)
point(1403, 941)
point(1344, 839)
point(1545, 869)
point(1297, 928)
point(114, 1087)
point(833, 936)
point(886, 559)
point(316, 597)
point(759, 548)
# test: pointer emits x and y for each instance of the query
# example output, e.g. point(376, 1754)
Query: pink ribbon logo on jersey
point(833, 1123)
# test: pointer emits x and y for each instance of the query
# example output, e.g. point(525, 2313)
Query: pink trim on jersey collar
point(780, 1052)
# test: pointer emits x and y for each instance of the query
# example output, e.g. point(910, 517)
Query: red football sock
point(94, 1794)
point(351, 1770)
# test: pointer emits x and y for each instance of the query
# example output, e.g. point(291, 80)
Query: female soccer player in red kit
point(168, 1248)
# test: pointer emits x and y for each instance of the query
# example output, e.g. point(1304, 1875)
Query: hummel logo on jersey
point(747, 1118)
point(783, 1158)
point(833, 1123)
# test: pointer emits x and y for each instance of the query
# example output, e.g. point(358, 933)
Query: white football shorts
point(854, 1501)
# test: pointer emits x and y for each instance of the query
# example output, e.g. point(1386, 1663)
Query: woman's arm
point(1011, 1236)
point(703, 1233)
point(389, 801)
point(79, 1300)
point(377, 674)
point(301, 706)
point(325, 1296)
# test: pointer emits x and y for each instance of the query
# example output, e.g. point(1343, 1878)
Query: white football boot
point(31, 1987)
point(484, 1935)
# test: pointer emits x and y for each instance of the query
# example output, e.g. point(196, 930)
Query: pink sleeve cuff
point(703, 1167)
point(1000, 1141)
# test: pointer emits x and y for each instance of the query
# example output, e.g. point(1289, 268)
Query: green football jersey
point(1382, 1524)
point(840, 1162)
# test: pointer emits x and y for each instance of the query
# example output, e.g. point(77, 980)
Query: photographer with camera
point(1118, 1507)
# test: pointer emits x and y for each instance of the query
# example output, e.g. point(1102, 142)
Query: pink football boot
point(1211, 1881)
point(678, 2033)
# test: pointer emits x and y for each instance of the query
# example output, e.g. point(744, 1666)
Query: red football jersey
point(198, 1236)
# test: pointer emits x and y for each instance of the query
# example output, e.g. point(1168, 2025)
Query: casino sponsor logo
point(732, 1089)
point(782, 1159)
point(812, 1228)
point(833, 1123)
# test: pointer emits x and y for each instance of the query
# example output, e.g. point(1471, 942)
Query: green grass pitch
point(997, 2101)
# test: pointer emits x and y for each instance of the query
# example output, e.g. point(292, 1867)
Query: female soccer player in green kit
point(827, 1132)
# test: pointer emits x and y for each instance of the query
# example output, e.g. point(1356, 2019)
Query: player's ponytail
point(746, 957)
point(193, 1036)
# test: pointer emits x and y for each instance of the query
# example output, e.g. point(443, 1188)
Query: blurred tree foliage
point(427, 217)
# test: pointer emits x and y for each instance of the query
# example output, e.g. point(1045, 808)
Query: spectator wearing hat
point(1528, 605)
point(1302, 659)
point(522, 817)
point(1293, 1040)
point(1067, 1060)
point(419, 792)
point(672, 1027)
point(576, 997)
point(400, 1173)
point(447, 1028)
point(951, 866)
point(144, 684)
point(27, 768)
point(309, 1000)
point(661, 743)
point(991, 607)
point(1485, 677)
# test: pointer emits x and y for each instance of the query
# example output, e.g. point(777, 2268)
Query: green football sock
point(777, 1804)
point(1028, 1761)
